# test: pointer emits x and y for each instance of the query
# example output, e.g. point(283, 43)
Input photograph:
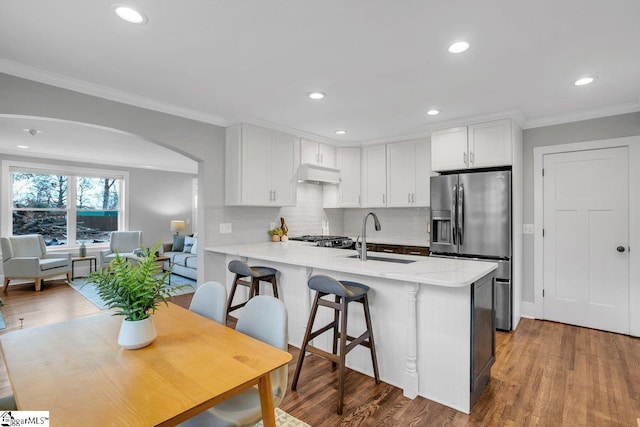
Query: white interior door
point(586, 238)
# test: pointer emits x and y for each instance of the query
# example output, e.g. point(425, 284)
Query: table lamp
point(177, 226)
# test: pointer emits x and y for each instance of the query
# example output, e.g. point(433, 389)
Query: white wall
point(398, 225)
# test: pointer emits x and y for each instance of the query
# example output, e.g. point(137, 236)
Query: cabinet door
point(256, 166)
point(308, 152)
point(400, 174)
point(490, 144)
point(283, 183)
point(449, 149)
point(348, 161)
point(327, 155)
point(374, 177)
point(422, 174)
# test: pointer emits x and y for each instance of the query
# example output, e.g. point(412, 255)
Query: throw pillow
point(188, 244)
point(178, 244)
point(194, 248)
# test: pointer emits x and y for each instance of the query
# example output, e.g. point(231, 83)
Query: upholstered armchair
point(123, 243)
point(26, 257)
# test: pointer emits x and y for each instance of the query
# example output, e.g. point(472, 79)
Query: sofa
point(183, 252)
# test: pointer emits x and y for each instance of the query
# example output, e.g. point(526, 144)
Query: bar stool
point(256, 274)
point(344, 292)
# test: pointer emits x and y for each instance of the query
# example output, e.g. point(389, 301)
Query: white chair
point(8, 403)
point(264, 318)
point(123, 243)
point(210, 300)
point(26, 257)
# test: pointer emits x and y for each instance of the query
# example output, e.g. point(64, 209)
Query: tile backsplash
point(250, 224)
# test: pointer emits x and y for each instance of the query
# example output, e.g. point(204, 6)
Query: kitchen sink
point(380, 258)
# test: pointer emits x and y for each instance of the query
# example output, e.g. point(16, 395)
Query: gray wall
point(156, 197)
point(587, 130)
point(197, 140)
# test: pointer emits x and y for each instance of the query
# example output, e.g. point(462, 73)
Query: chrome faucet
point(362, 251)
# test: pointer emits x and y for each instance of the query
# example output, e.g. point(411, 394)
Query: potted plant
point(275, 234)
point(135, 289)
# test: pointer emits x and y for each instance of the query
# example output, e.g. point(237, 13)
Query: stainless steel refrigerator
point(471, 218)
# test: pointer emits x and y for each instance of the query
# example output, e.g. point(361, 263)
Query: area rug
point(285, 420)
point(88, 290)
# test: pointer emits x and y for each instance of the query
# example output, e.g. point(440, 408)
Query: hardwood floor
point(546, 374)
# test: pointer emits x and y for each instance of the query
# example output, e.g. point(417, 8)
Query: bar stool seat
point(344, 292)
point(250, 276)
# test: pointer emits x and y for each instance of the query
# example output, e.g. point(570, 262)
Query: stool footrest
point(329, 356)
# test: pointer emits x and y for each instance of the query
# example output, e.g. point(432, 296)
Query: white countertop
point(427, 270)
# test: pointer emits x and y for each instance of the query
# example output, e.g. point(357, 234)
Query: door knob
point(620, 248)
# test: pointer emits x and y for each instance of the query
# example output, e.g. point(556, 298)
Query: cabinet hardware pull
point(274, 195)
point(471, 157)
point(388, 250)
point(383, 199)
point(409, 197)
point(414, 253)
point(464, 156)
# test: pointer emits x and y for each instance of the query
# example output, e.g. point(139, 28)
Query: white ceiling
point(383, 64)
point(72, 141)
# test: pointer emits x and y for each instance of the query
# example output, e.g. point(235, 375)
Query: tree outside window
point(40, 205)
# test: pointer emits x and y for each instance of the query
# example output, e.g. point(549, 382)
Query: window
point(66, 206)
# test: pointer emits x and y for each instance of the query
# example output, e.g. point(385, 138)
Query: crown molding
point(612, 110)
point(286, 129)
point(76, 85)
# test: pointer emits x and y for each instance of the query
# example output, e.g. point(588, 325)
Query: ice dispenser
point(441, 227)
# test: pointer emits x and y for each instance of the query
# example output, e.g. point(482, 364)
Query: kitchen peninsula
point(432, 317)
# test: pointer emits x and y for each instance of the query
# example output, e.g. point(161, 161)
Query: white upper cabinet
point(490, 144)
point(478, 145)
point(260, 166)
point(317, 153)
point(347, 193)
point(374, 177)
point(408, 172)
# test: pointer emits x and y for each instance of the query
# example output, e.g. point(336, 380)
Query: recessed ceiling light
point(32, 132)
point(22, 146)
point(584, 81)
point(433, 112)
point(129, 14)
point(316, 95)
point(458, 47)
point(341, 132)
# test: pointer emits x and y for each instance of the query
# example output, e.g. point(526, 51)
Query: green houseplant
point(135, 289)
point(275, 234)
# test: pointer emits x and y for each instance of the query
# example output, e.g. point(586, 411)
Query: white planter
point(137, 333)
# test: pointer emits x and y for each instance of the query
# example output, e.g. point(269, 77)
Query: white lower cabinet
point(260, 166)
point(408, 172)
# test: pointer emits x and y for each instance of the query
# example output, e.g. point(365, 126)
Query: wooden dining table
point(76, 370)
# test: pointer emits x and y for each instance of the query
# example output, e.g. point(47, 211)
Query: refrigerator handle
point(460, 215)
point(454, 207)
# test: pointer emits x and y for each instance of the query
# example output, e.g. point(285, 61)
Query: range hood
point(316, 174)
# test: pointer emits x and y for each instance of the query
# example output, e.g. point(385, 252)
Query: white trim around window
point(6, 226)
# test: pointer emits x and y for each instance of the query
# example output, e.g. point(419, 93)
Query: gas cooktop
point(326, 241)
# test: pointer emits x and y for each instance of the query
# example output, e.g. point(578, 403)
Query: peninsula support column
point(411, 377)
